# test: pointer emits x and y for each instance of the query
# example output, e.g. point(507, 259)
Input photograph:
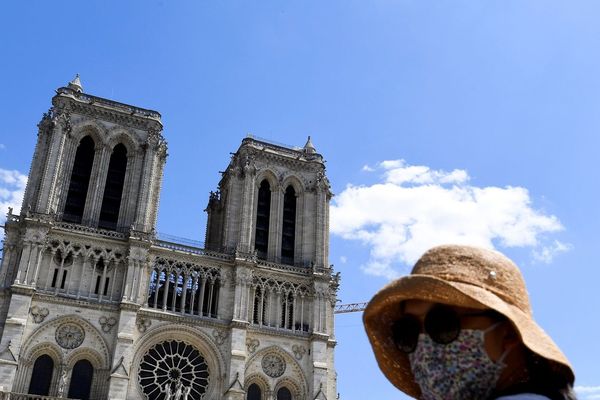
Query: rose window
point(69, 336)
point(273, 365)
point(173, 370)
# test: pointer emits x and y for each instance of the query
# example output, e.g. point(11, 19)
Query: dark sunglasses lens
point(442, 324)
point(405, 333)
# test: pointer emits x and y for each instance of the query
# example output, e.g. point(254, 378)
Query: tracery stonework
point(273, 365)
point(173, 370)
point(69, 336)
point(104, 307)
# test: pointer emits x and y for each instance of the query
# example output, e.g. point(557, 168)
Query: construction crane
point(348, 308)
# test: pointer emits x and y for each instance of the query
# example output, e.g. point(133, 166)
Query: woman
point(460, 327)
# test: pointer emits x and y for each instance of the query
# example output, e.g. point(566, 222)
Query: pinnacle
point(309, 147)
point(75, 84)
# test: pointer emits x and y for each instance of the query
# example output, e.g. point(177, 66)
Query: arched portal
point(41, 377)
point(81, 380)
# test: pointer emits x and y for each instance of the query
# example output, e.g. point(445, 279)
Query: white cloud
point(416, 207)
point(12, 188)
point(588, 392)
point(368, 168)
point(547, 253)
point(343, 259)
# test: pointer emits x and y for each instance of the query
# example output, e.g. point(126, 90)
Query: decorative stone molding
point(273, 365)
point(39, 314)
point(107, 323)
point(63, 119)
point(220, 336)
point(252, 344)
point(298, 351)
point(69, 336)
point(84, 104)
point(143, 324)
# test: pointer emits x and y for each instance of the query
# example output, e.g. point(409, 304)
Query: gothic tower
point(272, 212)
point(94, 305)
point(80, 241)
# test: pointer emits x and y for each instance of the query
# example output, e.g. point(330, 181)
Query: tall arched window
point(263, 210)
point(289, 226)
point(284, 394)
point(254, 392)
point(81, 380)
point(259, 310)
point(113, 190)
point(287, 311)
point(80, 180)
point(41, 377)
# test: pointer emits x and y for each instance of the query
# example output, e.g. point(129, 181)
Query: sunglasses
point(441, 323)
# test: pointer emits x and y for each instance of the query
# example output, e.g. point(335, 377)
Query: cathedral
point(95, 305)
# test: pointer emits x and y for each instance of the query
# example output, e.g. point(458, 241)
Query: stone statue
point(62, 384)
point(186, 392)
point(178, 391)
point(168, 394)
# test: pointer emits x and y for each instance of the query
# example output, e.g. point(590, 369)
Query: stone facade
point(93, 304)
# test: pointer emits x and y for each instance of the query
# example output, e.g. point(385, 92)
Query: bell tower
point(273, 201)
point(97, 163)
point(85, 227)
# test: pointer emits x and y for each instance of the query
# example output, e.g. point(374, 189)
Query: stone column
point(7, 262)
point(66, 169)
point(123, 221)
point(237, 365)
point(98, 180)
point(248, 208)
point(123, 353)
point(12, 336)
point(25, 261)
point(319, 358)
point(62, 127)
point(299, 234)
point(275, 224)
point(93, 200)
point(156, 184)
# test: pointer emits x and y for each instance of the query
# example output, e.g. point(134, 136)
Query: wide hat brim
point(384, 309)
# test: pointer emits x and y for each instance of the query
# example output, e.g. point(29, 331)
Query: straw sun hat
point(460, 276)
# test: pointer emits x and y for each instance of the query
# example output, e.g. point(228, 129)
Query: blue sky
point(440, 121)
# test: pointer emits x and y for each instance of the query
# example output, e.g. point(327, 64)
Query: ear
point(510, 336)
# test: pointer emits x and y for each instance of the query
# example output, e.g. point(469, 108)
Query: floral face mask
point(460, 370)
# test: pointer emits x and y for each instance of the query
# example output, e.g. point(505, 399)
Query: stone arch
point(292, 386)
point(99, 369)
point(260, 381)
point(119, 135)
point(50, 349)
point(91, 128)
point(42, 341)
point(195, 337)
point(293, 374)
point(28, 371)
point(295, 182)
point(270, 177)
point(93, 338)
point(85, 354)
